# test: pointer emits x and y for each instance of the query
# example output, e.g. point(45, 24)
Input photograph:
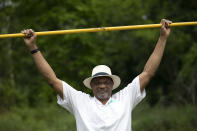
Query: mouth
point(102, 91)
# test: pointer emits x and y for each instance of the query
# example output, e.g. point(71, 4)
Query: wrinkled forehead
point(102, 78)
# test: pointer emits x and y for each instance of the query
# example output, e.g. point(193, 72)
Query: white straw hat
point(102, 70)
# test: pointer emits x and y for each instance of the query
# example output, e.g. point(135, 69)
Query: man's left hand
point(165, 28)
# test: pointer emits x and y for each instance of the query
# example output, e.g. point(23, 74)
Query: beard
point(103, 94)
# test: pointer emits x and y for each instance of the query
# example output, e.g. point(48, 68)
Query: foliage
point(145, 118)
point(180, 118)
point(32, 119)
point(73, 56)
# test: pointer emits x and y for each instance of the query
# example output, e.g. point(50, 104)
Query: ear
point(112, 86)
point(91, 86)
point(112, 83)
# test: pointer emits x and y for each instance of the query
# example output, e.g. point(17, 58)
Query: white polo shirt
point(92, 115)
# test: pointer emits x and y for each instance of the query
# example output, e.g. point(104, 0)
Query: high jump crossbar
point(99, 29)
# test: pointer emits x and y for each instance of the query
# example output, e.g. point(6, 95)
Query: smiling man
point(104, 111)
point(102, 83)
point(102, 88)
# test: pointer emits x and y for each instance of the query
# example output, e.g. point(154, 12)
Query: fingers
point(166, 23)
point(28, 33)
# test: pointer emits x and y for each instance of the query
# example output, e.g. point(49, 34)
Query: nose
point(102, 86)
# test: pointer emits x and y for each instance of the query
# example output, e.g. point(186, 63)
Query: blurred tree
point(73, 56)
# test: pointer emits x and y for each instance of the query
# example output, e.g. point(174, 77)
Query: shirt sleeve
point(133, 92)
point(70, 96)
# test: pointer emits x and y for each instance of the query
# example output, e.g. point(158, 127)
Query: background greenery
point(28, 103)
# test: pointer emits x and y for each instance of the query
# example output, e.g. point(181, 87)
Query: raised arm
point(155, 58)
point(42, 65)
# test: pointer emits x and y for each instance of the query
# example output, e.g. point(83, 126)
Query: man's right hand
point(42, 65)
point(30, 38)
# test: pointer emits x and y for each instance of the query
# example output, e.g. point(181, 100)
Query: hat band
point(100, 73)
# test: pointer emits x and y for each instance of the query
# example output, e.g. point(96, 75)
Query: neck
point(104, 101)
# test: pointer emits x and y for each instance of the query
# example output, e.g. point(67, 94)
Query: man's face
point(102, 87)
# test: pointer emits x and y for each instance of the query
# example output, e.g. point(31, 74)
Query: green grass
point(182, 118)
point(54, 118)
point(45, 118)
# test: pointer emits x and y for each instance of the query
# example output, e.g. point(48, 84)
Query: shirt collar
point(100, 103)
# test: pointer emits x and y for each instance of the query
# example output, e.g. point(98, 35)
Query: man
point(104, 111)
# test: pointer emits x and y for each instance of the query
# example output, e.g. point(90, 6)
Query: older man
point(104, 111)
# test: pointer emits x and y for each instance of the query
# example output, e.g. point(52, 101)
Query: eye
point(107, 82)
point(95, 83)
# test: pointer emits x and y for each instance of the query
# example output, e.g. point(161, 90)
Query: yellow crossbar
point(131, 27)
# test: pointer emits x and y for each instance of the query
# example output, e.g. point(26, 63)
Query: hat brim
point(115, 79)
